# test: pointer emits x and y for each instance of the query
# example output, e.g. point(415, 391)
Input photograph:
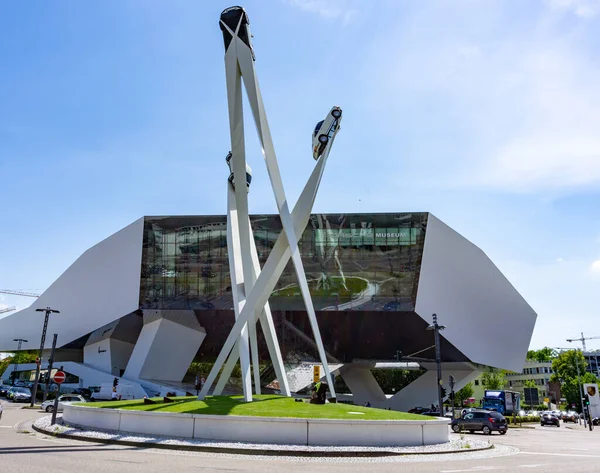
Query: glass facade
point(352, 262)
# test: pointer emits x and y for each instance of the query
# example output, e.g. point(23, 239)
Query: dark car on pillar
point(485, 421)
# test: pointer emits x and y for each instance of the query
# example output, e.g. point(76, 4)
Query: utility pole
point(15, 359)
point(48, 311)
point(580, 388)
point(438, 357)
point(451, 383)
point(50, 362)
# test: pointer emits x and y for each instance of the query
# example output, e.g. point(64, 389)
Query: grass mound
point(263, 406)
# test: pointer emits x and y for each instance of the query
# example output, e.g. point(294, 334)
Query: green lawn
point(263, 406)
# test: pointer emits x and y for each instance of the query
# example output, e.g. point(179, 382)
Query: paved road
point(541, 450)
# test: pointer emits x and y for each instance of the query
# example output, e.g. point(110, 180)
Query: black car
point(418, 410)
point(547, 418)
point(3, 390)
point(85, 392)
point(486, 421)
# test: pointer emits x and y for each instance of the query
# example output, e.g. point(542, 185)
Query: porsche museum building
point(155, 296)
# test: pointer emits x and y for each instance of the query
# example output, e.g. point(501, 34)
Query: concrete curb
point(250, 451)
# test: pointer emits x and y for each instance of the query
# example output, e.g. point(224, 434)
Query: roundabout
point(270, 419)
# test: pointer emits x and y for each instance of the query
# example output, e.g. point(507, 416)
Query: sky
point(484, 113)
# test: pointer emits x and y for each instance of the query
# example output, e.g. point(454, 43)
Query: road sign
point(316, 373)
point(59, 377)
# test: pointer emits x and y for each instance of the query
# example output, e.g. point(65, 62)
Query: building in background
point(536, 371)
point(145, 302)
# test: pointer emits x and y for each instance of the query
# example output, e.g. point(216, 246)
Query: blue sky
point(483, 113)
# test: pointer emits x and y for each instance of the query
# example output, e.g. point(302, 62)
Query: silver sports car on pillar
point(326, 130)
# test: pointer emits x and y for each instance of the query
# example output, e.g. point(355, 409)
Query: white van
point(124, 391)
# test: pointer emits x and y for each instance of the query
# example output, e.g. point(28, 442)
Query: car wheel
point(557, 425)
point(336, 113)
point(49, 409)
point(471, 431)
point(456, 428)
point(486, 430)
point(323, 139)
point(503, 432)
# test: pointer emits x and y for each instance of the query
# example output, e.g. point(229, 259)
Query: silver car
point(325, 131)
point(48, 406)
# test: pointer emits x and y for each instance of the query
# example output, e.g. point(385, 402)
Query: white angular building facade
point(144, 303)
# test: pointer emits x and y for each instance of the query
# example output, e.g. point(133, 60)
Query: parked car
point(548, 418)
point(325, 131)
point(418, 410)
point(4, 390)
point(486, 421)
point(48, 406)
point(85, 392)
point(20, 395)
point(570, 417)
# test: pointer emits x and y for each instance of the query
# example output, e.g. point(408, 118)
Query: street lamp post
point(438, 357)
point(48, 311)
point(15, 359)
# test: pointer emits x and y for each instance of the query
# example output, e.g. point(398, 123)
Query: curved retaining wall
point(274, 430)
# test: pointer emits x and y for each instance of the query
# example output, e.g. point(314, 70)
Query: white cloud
point(581, 8)
point(329, 9)
point(595, 267)
point(521, 107)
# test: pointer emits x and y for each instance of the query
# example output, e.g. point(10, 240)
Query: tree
point(542, 355)
point(493, 379)
point(463, 394)
point(564, 366)
point(530, 383)
point(565, 371)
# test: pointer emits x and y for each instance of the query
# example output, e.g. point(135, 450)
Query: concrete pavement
point(539, 450)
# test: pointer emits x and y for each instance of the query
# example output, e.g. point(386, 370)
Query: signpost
point(316, 373)
point(58, 378)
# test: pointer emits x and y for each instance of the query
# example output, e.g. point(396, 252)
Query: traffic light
point(452, 395)
point(115, 382)
point(586, 400)
point(443, 391)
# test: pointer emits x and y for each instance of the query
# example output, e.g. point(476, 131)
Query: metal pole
point(580, 389)
point(37, 369)
point(48, 311)
point(15, 359)
point(50, 362)
point(56, 402)
point(438, 357)
point(452, 394)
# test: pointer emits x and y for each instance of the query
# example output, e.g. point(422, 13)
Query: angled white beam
point(273, 268)
point(246, 64)
point(237, 287)
point(239, 60)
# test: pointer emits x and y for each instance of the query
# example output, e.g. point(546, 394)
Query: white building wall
point(485, 317)
point(98, 355)
point(165, 347)
point(102, 285)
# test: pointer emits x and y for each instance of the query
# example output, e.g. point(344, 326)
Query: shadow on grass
point(211, 405)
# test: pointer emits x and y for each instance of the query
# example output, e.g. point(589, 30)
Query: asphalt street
point(566, 449)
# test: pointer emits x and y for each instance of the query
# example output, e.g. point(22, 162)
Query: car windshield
point(318, 127)
point(22, 390)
